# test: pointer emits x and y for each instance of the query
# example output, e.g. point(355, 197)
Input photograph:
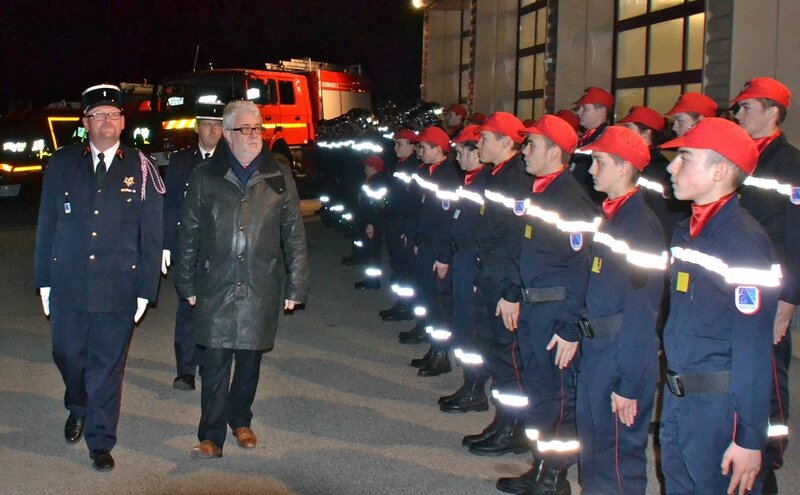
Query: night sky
point(52, 50)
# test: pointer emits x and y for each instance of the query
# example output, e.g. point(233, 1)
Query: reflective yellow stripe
point(559, 446)
point(287, 125)
point(178, 124)
point(27, 168)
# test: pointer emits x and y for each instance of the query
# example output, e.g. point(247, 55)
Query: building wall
point(496, 55)
point(444, 56)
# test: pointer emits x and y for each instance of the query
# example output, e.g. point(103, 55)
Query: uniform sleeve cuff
point(749, 437)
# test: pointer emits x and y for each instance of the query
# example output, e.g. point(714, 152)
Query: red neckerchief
point(432, 168)
point(497, 168)
point(586, 135)
point(401, 160)
point(470, 176)
point(701, 214)
point(541, 182)
point(763, 142)
point(612, 206)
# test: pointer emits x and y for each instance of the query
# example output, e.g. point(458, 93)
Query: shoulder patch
point(445, 204)
point(748, 299)
point(519, 208)
point(795, 196)
point(576, 241)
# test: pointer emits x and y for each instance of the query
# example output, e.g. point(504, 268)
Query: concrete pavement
point(338, 410)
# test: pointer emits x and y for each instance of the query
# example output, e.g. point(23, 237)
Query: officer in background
point(553, 270)
point(454, 118)
point(595, 109)
point(208, 127)
point(619, 364)
point(762, 107)
point(724, 284)
point(98, 250)
point(690, 109)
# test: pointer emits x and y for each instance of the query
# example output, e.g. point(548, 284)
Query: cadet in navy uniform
point(553, 269)
point(371, 202)
point(762, 107)
point(460, 260)
point(619, 363)
point(98, 250)
point(499, 231)
point(723, 295)
point(595, 108)
point(208, 126)
point(435, 294)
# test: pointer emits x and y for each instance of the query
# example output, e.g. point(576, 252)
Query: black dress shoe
point(414, 336)
point(183, 382)
point(398, 314)
point(73, 430)
point(102, 460)
point(367, 284)
point(438, 365)
point(423, 361)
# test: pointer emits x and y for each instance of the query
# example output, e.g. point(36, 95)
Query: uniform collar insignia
point(86, 151)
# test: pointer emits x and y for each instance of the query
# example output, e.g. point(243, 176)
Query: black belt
point(605, 326)
point(713, 383)
point(544, 294)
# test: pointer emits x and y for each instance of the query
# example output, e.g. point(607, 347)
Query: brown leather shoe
point(245, 437)
point(206, 450)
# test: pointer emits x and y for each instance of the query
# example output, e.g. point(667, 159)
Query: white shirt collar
point(203, 151)
point(108, 155)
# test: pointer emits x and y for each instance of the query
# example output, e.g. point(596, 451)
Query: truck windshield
point(178, 96)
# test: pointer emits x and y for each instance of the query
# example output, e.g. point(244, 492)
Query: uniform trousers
point(399, 252)
point(613, 456)
point(435, 294)
point(90, 350)
point(695, 432)
point(465, 327)
point(550, 390)
point(222, 401)
point(779, 401)
point(184, 339)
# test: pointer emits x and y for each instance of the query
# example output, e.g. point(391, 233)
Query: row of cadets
point(619, 365)
point(433, 298)
point(499, 231)
point(762, 106)
point(370, 221)
point(459, 259)
point(402, 214)
point(720, 326)
point(553, 270)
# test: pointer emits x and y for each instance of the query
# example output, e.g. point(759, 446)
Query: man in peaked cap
point(98, 249)
point(724, 285)
point(208, 127)
point(619, 364)
point(763, 104)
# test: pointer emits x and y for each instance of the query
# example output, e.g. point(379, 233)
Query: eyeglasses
point(248, 130)
point(105, 115)
point(209, 125)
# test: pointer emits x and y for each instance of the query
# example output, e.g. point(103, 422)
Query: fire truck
point(292, 95)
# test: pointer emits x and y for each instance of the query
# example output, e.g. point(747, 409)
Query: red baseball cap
point(469, 133)
point(645, 116)
point(478, 118)
point(765, 87)
point(722, 136)
point(434, 135)
point(406, 134)
point(375, 162)
point(596, 95)
point(504, 123)
point(570, 117)
point(459, 109)
point(556, 130)
point(695, 103)
point(622, 142)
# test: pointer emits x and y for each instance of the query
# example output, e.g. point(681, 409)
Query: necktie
point(100, 171)
point(208, 155)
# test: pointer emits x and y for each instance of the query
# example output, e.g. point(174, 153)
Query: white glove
point(44, 293)
point(166, 260)
point(141, 306)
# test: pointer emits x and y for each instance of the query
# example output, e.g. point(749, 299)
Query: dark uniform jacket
point(241, 251)
point(435, 214)
point(402, 200)
point(551, 257)
point(499, 229)
point(181, 165)
point(618, 287)
point(706, 332)
point(99, 250)
point(581, 162)
point(776, 212)
point(466, 217)
point(669, 210)
point(371, 201)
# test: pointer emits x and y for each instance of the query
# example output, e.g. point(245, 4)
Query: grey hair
point(233, 108)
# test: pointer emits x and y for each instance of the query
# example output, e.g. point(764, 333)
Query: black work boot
point(438, 365)
point(368, 284)
point(424, 360)
point(509, 438)
point(551, 481)
point(398, 312)
point(458, 393)
point(473, 398)
point(770, 486)
point(398, 306)
point(487, 432)
point(416, 335)
point(521, 484)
